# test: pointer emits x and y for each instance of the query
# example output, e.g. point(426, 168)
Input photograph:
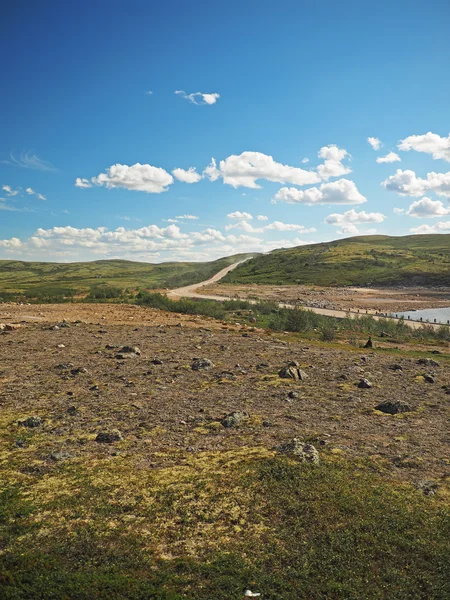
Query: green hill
point(102, 278)
point(377, 260)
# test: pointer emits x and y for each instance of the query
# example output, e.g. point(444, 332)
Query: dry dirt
point(373, 300)
point(167, 410)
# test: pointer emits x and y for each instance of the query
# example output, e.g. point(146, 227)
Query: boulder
point(234, 419)
point(109, 437)
point(305, 452)
point(364, 383)
point(393, 407)
point(428, 362)
point(201, 363)
point(292, 371)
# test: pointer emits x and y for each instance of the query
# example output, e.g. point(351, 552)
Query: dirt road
point(190, 291)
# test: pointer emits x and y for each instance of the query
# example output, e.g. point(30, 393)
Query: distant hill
point(101, 279)
point(376, 260)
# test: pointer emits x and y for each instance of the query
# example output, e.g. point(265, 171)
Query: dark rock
point(109, 437)
point(156, 361)
point(396, 367)
point(429, 378)
point(201, 363)
point(428, 362)
point(305, 452)
point(78, 370)
point(72, 410)
point(369, 343)
point(292, 371)
point(393, 407)
point(31, 422)
point(130, 350)
point(293, 395)
point(234, 419)
point(364, 384)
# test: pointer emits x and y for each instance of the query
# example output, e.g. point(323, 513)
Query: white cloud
point(10, 192)
point(245, 169)
point(240, 215)
point(441, 227)
point(374, 142)
point(332, 165)
point(427, 208)
point(279, 226)
point(245, 226)
point(398, 211)
point(305, 160)
point(262, 218)
point(407, 183)
point(342, 191)
point(389, 158)
point(189, 176)
point(31, 192)
point(199, 97)
point(143, 178)
point(82, 183)
point(188, 217)
point(149, 93)
point(430, 143)
point(28, 160)
point(353, 217)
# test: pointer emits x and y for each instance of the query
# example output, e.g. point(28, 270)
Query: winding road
point(190, 291)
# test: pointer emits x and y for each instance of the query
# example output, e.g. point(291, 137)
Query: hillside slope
point(39, 279)
point(365, 260)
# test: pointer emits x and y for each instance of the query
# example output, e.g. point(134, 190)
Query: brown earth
point(167, 411)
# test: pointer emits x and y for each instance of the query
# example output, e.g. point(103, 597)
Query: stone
point(234, 419)
point(429, 378)
point(428, 362)
point(31, 422)
point(109, 437)
point(78, 370)
point(201, 363)
point(396, 367)
point(305, 452)
point(11, 327)
point(292, 371)
point(428, 487)
point(156, 361)
point(293, 395)
point(128, 352)
point(60, 455)
point(72, 410)
point(393, 407)
point(364, 383)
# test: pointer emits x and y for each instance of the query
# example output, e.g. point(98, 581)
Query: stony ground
point(371, 299)
point(71, 379)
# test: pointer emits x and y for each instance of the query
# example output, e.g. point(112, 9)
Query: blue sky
point(93, 166)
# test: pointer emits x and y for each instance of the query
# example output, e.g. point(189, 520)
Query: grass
point(217, 524)
point(365, 260)
point(99, 280)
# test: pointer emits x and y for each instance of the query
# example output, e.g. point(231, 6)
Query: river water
point(442, 315)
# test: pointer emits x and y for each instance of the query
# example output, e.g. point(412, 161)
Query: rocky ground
point(76, 380)
point(371, 299)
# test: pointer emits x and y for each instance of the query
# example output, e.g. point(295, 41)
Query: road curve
point(190, 291)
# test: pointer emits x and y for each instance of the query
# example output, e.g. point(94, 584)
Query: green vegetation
point(219, 524)
point(298, 320)
point(366, 260)
point(99, 280)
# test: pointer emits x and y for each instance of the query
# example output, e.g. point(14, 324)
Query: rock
point(64, 366)
point(60, 346)
point(364, 384)
point(428, 487)
point(72, 410)
point(393, 407)
point(109, 437)
point(267, 423)
point(369, 343)
point(201, 363)
point(234, 419)
point(60, 455)
point(291, 371)
point(429, 379)
point(78, 370)
point(11, 327)
point(293, 395)
point(31, 422)
point(428, 362)
point(396, 367)
point(111, 346)
point(305, 452)
point(128, 352)
point(156, 361)
point(54, 328)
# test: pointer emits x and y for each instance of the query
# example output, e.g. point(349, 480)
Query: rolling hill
point(377, 260)
point(102, 278)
